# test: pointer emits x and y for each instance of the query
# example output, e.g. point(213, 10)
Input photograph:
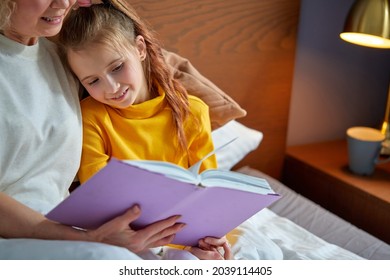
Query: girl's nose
point(112, 85)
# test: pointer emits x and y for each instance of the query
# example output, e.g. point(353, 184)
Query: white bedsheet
point(265, 236)
point(269, 236)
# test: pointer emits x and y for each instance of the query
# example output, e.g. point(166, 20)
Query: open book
point(211, 203)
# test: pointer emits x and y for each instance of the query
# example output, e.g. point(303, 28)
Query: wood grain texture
point(247, 48)
point(320, 172)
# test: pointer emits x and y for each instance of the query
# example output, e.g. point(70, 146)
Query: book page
point(234, 180)
point(174, 171)
point(167, 168)
point(195, 167)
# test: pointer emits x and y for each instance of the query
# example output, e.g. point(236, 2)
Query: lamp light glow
point(368, 24)
point(366, 40)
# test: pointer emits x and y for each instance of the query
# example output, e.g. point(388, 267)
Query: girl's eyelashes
point(115, 69)
point(93, 82)
point(118, 68)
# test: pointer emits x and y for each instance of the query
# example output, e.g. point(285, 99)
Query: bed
point(242, 53)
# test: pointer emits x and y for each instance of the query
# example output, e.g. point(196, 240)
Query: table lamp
point(368, 24)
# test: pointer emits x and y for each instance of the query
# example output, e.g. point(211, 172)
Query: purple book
point(213, 209)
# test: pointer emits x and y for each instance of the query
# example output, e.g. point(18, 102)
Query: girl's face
point(37, 18)
point(111, 77)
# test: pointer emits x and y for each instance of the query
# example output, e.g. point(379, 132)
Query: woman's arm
point(19, 221)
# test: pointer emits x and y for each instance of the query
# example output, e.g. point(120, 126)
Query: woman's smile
point(53, 20)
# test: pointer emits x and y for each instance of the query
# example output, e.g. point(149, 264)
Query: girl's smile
point(121, 96)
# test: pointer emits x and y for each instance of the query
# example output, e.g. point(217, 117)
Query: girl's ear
point(141, 47)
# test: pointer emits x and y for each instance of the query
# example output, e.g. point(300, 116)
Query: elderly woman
point(40, 151)
point(40, 128)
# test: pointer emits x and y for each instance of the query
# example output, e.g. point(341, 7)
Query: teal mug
point(364, 145)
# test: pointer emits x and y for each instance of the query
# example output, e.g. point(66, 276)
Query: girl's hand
point(211, 248)
point(118, 232)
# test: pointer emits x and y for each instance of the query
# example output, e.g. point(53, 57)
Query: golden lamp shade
point(368, 24)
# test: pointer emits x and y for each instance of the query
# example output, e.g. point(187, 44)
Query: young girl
point(135, 110)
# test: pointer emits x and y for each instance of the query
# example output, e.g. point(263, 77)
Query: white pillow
point(248, 140)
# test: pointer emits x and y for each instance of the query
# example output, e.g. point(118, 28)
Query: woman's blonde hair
point(6, 9)
point(105, 24)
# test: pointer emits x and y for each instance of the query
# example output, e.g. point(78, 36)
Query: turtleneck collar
point(145, 109)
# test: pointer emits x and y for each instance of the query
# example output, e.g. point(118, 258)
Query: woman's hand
point(86, 3)
point(118, 232)
point(211, 248)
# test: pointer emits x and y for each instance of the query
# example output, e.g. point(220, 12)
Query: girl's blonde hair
point(6, 9)
point(105, 24)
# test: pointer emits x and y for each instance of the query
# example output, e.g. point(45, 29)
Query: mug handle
point(380, 161)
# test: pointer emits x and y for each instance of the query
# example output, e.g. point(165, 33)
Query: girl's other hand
point(211, 248)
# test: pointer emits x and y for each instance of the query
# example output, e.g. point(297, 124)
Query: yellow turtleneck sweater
point(142, 131)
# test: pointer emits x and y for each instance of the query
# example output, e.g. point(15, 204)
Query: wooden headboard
point(247, 48)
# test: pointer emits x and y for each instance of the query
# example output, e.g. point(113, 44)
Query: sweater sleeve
point(202, 143)
point(95, 151)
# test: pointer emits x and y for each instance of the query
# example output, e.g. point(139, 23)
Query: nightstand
point(320, 172)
